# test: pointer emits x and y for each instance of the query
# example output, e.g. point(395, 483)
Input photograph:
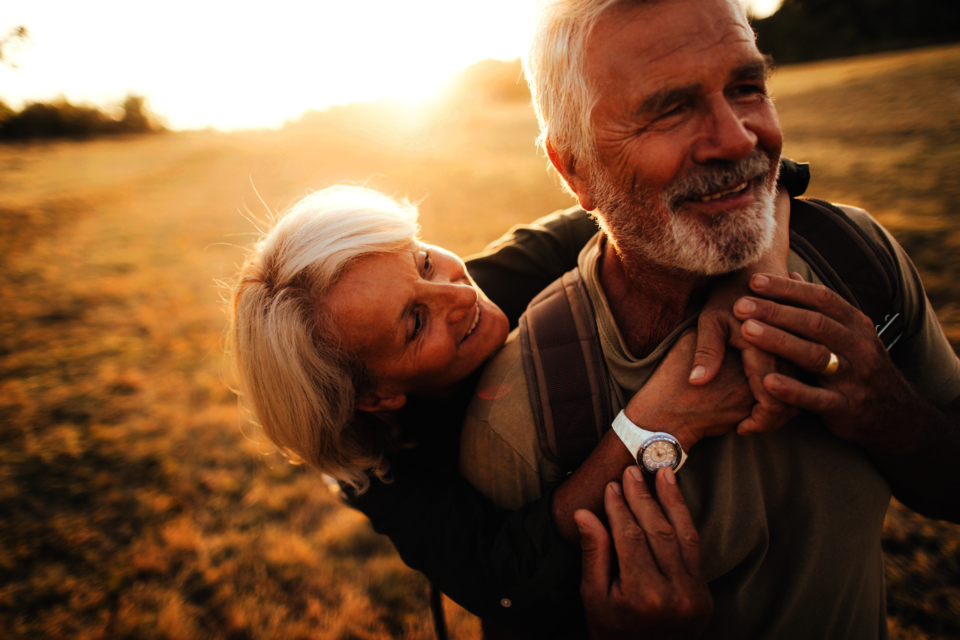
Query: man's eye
point(674, 111)
point(750, 90)
point(417, 323)
point(427, 263)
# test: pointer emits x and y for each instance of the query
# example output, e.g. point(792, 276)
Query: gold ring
point(831, 367)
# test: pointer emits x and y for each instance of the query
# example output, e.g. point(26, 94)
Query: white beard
point(658, 230)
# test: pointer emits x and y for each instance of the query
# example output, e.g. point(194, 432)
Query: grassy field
point(136, 500)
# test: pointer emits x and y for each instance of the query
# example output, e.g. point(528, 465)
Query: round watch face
point(659, 452)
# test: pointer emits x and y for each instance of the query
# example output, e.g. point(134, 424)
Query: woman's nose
point(457, 300)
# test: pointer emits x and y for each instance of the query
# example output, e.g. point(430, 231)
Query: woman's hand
point(718, 327)
point(659, 590)
point(668, 402)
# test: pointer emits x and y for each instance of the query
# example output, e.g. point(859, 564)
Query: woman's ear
point(381, 402)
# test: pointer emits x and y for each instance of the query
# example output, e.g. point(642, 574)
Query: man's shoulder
point(500, 450)
point(501, 403)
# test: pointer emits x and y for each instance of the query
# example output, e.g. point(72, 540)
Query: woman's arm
point(439, 523)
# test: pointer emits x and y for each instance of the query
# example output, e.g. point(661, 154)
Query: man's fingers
point(798, 293)
point(595, 545)
point(676, 511)
point(713, 332)
point(660, 534)
point(637, 565)
point(798, 394)
point(811, 356)
point(812, 325)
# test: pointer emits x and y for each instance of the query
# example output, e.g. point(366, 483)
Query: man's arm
point(440, 524)
point(868, 401)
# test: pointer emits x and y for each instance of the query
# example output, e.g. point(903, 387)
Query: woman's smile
point(417, 319)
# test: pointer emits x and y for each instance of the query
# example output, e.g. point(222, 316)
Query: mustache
point(702, 180)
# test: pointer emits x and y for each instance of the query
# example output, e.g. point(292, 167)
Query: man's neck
point(647, 301)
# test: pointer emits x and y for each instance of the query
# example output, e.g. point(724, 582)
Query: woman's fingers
point(713, 333)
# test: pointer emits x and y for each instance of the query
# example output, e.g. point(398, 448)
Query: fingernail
point(760, 281)
point(616, 488)
point(698, 372)
point(746, 305)
point(635, 473)
point(668, 475)
point(752, 328)
point(775, 382)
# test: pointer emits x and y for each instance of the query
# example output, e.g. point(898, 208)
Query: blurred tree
point(816, 29)
point(135, 119)
point(14, 38)
point(488, 81)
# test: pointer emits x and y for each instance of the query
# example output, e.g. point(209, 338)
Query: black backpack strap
point(849, 262)
point(566, 372)
point(563, 360)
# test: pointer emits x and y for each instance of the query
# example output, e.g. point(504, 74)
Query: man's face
point(688, 142)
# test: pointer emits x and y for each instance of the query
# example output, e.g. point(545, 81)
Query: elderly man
point(657, 117)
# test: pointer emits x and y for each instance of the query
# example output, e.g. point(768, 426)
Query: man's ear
point(381, 402)
point(566, 166)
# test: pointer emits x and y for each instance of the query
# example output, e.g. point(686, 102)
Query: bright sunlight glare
point(248, 64)
point(242, 64)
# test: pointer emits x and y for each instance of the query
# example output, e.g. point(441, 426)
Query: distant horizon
point(212, 65)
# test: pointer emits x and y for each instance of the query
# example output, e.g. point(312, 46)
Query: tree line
point(62, 119)
point(804, 30)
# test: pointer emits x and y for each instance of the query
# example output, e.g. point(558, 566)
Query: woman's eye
point(417, 323)
point(427, 263)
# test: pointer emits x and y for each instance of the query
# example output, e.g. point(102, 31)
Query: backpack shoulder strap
point(849, 262)
point(566, 372)
point(563, 360)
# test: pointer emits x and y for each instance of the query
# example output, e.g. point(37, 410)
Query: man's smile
point(720, 194)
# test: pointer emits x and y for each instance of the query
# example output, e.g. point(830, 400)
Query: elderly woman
point(341, 309)
point(358, 349)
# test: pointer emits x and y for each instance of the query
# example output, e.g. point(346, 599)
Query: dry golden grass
point(137, 501)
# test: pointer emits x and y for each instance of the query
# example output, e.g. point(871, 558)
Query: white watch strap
point(631, 435)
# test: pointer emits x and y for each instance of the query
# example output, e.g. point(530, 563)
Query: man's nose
point(727, 135)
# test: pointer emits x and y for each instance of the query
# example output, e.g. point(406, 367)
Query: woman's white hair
point(294, 375)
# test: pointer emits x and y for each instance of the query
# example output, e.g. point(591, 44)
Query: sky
point(243, 64)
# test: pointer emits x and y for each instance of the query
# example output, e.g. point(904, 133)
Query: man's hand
point(804, 323)
point(659, 592)
point(668, 402)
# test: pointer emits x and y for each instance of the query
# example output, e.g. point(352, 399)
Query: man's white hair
point(555, 66)
point(555, 69)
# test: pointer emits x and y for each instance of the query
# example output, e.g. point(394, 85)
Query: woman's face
point(418, 321)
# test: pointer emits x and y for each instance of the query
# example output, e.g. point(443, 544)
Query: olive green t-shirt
point(789, 522)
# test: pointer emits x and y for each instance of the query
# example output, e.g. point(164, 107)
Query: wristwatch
point(652, 449)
